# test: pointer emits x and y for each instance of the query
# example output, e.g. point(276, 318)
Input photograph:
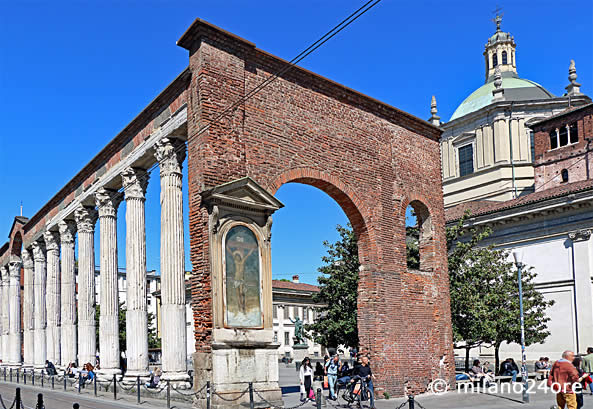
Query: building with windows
point(293, 299)
point(551, 230)
point(487, 148)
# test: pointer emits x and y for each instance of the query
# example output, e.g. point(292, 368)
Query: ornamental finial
point(498, 91)
point(434, 118)
point(573, 88)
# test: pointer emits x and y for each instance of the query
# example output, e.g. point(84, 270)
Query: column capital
point(14, 266)
point(39, 251)
point(170, 154)
point(86, 218)
point(107, 202)
point(27, 259)
point(580, 235)
point(135, 182)
point(67, 231)
point(52, 240)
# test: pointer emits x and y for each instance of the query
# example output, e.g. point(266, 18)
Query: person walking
point(331, 369)
point(364, 372)
point(584, 380)
point(588, 365)
point(562, 376)
point(306, 379)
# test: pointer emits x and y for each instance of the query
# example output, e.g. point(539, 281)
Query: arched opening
point(564, 175)
point(420, 250)
point(504, 57)
point(494, 60)
point(17, 244)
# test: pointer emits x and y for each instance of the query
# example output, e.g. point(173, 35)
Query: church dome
point(515, 89)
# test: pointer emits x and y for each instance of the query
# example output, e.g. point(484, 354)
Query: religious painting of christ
point(243, 278)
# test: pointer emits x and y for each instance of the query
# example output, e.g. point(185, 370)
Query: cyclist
point(364, 372)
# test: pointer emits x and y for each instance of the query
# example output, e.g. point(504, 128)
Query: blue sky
point(74, 73)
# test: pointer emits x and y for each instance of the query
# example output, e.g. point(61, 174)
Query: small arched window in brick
point(564, 175)
point(420, 254)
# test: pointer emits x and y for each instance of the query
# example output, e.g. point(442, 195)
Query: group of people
point(337, 372)
point(570, 376)
point(84, 375)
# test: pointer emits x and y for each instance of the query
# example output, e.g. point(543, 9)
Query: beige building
point(487, 147)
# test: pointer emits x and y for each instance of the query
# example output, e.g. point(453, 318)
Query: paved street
point(58, 399)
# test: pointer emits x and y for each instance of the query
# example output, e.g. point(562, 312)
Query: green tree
point(338, 291)
point(484, 294)
point(412, 248)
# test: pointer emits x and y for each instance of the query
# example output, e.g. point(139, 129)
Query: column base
point(131, 377)
point(107, 373)
point(179, 380)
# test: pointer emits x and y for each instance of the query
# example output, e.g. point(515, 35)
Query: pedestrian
point(588, 365)
point(584, 380)
point(155, 378)
point(306, 379)
point(332, 367)
point(50, 368)
point(509, 368)
point(562, 376)
point(364, 372)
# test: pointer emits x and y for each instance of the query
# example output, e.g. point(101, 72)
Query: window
point(275, 309)
point(564, 174)
point(563, 135)
point(287, 338)
point(494, 60)
point(553, 139)
point(504, 57)
point(305, 314)
point(275, 336)
point(466, 160)
point(316, 354)
point(532, 142)
point(573, 132)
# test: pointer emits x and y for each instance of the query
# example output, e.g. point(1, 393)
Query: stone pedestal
point(299, 352)
point(243, 350)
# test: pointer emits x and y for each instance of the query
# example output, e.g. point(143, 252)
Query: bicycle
point(356, 392)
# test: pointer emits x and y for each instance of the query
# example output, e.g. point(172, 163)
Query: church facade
point(518, 158)
point(487, 145)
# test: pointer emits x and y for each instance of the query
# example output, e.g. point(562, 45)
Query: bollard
point(76, 406)
point(318, 400)
point(65, 380)
point(168, 394)
point(17, 399)
point(138, 388)
point(4, 374)
point(53, 381)
point(10, 372)
point(251, 403)
point(208, 395)
point(18, 375)
point(42, 377)
point(32, 376)
point(114, 387)
point(25, 376)
point(39, 401)
point(95, 383)
point(79, 381)
point(411, 402)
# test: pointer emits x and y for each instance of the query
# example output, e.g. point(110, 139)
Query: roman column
point(170, 154)
point(40, 311)
point(14, 293)
point(135, 182)
point(68, 292)
point(86, 217)
point(107, 204)
point(53, 333)
point(4, 281)
point(28, 309)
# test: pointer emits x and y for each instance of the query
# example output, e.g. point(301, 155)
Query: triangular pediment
point(244, 193)
point(464, 137)
point(18, 221)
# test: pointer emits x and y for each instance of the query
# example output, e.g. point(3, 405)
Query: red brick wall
point(550, 163)
point(371, 158)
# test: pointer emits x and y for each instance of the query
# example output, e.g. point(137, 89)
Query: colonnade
point(58, 317)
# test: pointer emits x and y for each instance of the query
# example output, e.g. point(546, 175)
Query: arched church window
point(553, 139)
point(504, 57)
point(573, 132)
point(494, 60)
point(242, 279)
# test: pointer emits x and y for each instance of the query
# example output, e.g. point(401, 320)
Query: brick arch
point(16, 244)
point(354, 208)
point(426, 240)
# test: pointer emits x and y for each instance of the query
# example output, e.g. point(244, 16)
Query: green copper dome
point(515, 89)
